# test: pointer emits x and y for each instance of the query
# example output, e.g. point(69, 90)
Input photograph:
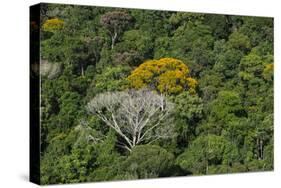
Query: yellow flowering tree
point(268, 72)
point(166, 75)
point(52, 25)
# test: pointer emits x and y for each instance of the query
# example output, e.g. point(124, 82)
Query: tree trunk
point(261, 149)
point(82, 70)
point(207, 167)
point(113, 39)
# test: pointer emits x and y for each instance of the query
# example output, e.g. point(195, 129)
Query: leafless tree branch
point(136, 115)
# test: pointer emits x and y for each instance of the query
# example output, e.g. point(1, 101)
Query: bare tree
point(137, 116)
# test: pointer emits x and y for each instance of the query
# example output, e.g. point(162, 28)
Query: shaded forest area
point(132, 94)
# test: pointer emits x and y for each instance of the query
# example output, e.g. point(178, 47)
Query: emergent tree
point(137, 116)
point(115, 22)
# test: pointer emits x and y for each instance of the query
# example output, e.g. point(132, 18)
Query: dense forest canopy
point(130, 94)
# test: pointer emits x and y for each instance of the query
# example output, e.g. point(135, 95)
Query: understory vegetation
point(131, 94)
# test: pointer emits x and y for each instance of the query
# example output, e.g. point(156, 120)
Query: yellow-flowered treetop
point(268, 71)
point(52, 25)
point(166, 75)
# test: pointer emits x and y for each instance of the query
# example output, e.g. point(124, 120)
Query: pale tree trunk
point(113, 39)
point(82, 70)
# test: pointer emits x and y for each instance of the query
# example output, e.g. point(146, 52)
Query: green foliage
point(257, 29)
point(134, 48)
point(223, 112)
point(147, 161)
point(90, 157)
point(227, 58)
point(180, 18)
point(156, 23)
point(210, 84)
point(189, 106)
point(191, 42)
point(111, 79)
point(69, 104)
point(221, 25)
point(239, 41)
point(227, 102)
point(188, 113)
point(219, 76)
point(206, 151)
point(251, 66)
